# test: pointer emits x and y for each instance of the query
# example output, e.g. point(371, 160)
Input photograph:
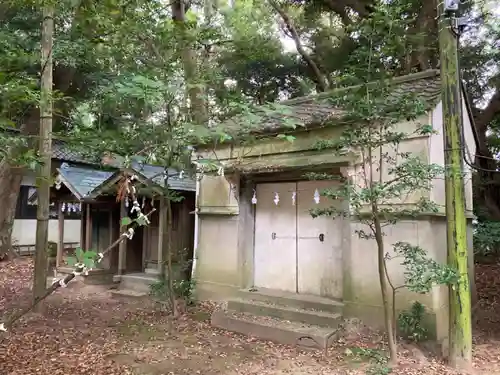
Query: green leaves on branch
point(411, 323)
point(421, 272)
point(125, 221)
point(87, 258)
point(140, 220)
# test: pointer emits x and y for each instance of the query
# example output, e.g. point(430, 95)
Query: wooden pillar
point(146, 233)
point(83, 220)
point(246, 230)
point(162, 222)
point(109, 259)
point(88, 228)
point(111, 227)
point(60, 246)
point(122, 247)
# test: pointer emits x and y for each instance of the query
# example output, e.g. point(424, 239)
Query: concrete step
point(129, 293)
point(277, 330)
point(288, 299)
point(152, 271)
point(139, 283)
point(319, 318)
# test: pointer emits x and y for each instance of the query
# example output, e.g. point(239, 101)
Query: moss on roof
point(315, 110)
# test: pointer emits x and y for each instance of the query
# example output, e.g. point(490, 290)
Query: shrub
point(52, 249)
point(486, 238)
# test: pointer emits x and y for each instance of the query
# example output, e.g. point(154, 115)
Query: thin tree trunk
point(393, 293)
point(173, 297)
point(384, 287)
point(11, 175)
point(45, 146)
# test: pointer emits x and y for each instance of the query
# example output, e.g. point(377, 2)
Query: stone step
point(152, 271)
point(288, 299)
point(277, 330)
point(139, 283)
point(128, 293)
point(319, 318)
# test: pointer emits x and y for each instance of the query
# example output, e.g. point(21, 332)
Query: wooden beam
point(88, 228)
point(60, 247)
point(161, 230)
point(111, 256)
point(122, 247)
point(111, 227)
point(146, 232)
point(83, 245)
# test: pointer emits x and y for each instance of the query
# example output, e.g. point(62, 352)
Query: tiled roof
point(314, 110)
point(85, 179)
point(82, 181)
point(156, 173)
point(62, 152)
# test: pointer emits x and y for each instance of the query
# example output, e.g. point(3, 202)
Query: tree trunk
point(384, 288)
point(11, 176)
point(10, 183)
point(45, 146)
point(487, 186)
point(195, 89)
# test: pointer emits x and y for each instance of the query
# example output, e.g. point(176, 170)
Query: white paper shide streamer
point(316, 196)
point(276, 198)
point(254, 197)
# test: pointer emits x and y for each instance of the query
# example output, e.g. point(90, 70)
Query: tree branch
point(320, 78)
point(484, 117)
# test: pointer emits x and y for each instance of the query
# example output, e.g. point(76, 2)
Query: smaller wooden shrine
point(94, 192)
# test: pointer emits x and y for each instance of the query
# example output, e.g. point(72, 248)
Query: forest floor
point(83, 330)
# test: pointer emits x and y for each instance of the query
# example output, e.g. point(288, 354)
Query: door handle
point(273, 236)
point(321, 237)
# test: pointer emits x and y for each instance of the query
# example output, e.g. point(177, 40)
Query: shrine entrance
point(293, 251)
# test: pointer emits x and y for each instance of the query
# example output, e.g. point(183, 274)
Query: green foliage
point(388, 181)
point(386, 174)
point(125, 221)
point(410, 323)
point(422, 273)
point(487, 238)
point(182, 289)
point(185, 289)
point(378, 360)
point(87, 258)
point(52, 249)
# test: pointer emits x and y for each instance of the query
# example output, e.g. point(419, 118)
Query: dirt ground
point(83, 330)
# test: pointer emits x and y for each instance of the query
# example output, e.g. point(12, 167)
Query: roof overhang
point(118, 176)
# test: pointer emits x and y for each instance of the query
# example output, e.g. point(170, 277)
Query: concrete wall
point(217, 261)
point(437, 157)
point(24, 231)
point(362, 295)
